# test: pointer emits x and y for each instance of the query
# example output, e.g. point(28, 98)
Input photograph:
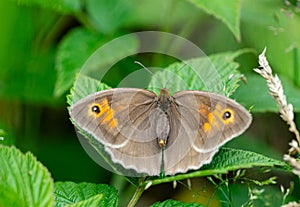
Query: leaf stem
point(200, 173)
point(137, 194)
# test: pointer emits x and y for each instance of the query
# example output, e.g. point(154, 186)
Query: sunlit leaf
point(84, 194)
point(78, 46)
point(62, 6)
point(226, 11)
point(225, 160)
point(216, 73)
point(108, 15)
point(173, 203)
point(23, 180)
point(228, 159)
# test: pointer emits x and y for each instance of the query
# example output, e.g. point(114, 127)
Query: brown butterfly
point(151, 134)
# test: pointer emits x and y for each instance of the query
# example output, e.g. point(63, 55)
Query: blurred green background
point(44, 43)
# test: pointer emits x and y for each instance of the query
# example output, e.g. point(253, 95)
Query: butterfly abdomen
point(162, 128)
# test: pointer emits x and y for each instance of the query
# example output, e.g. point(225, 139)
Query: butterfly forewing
point(221, 118)
point(123, 120)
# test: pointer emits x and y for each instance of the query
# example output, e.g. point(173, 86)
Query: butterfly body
point(136, 126)
point(163, 126)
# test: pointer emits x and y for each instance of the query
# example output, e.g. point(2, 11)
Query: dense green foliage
point(44, 45)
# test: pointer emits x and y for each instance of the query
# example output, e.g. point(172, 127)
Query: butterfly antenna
point(171, 78)
point(139, 63)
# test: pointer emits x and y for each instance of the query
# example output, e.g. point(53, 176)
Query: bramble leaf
point(84, 194)
point(23, 180)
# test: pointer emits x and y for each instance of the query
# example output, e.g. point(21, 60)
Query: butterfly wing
point(123, 120)
point(201, 122)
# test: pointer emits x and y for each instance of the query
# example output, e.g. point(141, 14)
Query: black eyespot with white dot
point(226, 115)
point(95, 109)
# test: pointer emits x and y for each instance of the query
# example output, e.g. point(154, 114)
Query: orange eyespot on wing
point(217, 116)
point(104, 111)
point(95, 110)
point(226, 115)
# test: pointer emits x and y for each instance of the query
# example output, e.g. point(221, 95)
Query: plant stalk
point(137, 194)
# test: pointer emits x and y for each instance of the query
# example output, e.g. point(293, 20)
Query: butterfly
point(153, 134)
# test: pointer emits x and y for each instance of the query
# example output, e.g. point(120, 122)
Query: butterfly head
point(164, 99)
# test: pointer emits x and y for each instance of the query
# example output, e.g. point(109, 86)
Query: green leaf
point(62, 6)
point(276, 32)
point(173, 203)
point(226, 11)
point(255, 94)
point(78, 46)
point(84, 194)
point(73, 51)
point(23, 180)
point(228, 159)
point(108, 15)
point(216, 73)
point(95, 201)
